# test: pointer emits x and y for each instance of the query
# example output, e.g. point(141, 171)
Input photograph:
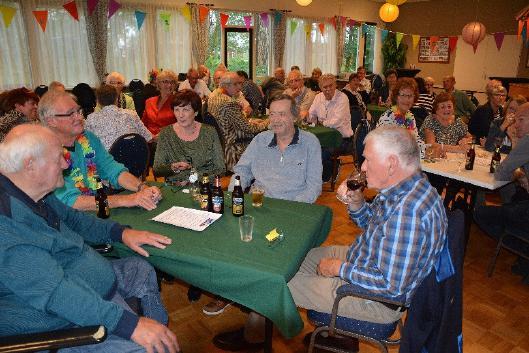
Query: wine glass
point(356, 180)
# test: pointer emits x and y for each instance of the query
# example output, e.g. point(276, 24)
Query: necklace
point(89, 154)
point(407, 120)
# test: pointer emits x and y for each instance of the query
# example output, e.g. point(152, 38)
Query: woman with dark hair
point(20, 105)
point(187, 143)
point(86, 98)
point(385, 97)
point(404, 95)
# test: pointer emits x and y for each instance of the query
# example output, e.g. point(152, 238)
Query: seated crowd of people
point(54, 148)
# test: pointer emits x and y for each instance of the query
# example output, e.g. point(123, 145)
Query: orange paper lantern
point(473, 33)
point(388, 12)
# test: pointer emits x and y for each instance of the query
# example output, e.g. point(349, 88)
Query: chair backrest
point(132, 151)
point(434, 321)
point(356, 116)
point(420, 115)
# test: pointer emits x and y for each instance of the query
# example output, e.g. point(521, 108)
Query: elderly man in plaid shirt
point(404, 232)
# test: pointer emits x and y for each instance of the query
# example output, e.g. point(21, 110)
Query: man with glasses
point(193, 82)
point(302, 95)
point(87, 160)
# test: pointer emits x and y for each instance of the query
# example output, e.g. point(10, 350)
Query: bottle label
point(493, 165)
point(217, 203)
point(238, 206)
point(204, 202)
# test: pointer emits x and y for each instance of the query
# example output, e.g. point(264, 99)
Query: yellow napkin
point(272, 235)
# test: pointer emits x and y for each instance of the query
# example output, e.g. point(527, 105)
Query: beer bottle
point(103, 211)
point(471, 156)
point(496, 158)
point(205, 193)
point(217, 197)
point(237, 198)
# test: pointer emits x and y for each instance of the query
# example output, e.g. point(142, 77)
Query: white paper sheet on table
point(187, 218)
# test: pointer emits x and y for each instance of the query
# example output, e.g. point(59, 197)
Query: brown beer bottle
point(496, 159)
point(237, 198)
point(471, 156)
point(217, 197)
point(205, 194)
point(103, 211)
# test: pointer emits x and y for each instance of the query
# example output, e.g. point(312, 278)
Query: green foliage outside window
point(394, 57)
point(350, 50)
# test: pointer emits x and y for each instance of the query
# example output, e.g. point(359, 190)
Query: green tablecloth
point(328, 137)
point(216, 260)
point(376, 111)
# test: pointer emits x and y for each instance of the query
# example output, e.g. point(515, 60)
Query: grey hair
point(32, 143)
point(227, 78)
point(295, 73)
point(46, 106)
point(166, 74)
point(325, 77)
point(114, 74)
point(399, 142)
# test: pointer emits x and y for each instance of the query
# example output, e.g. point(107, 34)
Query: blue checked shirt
point(405, 229)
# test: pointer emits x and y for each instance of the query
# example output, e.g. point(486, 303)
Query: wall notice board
point(437, 52)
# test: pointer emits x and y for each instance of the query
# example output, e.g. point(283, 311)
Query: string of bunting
point(41, 17)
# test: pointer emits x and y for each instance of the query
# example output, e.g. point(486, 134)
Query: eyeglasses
point(278, 114)
point(77, 111)
point(116, 83)
point(406, 95)
point(499, 95)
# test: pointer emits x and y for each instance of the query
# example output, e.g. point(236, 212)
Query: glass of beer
point(257, 195)
point(356, 180)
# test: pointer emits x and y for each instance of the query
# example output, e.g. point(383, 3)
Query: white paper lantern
point(473, 33)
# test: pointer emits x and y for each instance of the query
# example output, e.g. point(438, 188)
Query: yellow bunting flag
point(321, 26)
point(415, 39)
point(7, 14)
point(398, 38)
point(308, 29)
point(166, 20)
point(186, 12)
point(42, 18)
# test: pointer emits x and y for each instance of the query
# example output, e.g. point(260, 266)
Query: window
point(239, 49)
point(369, 46)
point(215, 31)
point(350, 51)
point(295, 47)
point(173, 42)
point(323, 51)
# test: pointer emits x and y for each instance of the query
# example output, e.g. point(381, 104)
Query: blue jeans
point(135, 278)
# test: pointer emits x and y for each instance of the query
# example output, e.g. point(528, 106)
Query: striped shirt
point(405, 229)
point(425, 101)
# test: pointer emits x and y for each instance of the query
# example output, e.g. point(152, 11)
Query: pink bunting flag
point(42, 18)
point(248, 22)
point(113, 6)
point(71, 7)
point(265, 19)
point(321, 26)
point(223, 19)
point(498, 38)
point(203, 12)
point(91, 4)
point(351, 22)
point(452, 43)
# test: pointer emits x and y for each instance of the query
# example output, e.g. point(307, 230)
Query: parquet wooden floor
point(496, 310)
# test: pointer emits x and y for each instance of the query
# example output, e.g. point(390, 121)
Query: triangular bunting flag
point(333, 22)
point(91, 4)
point(415, 40)
point(475, 47)
point(520, 27)
point(524, 33)
point(308, 29)
point(248, 22)
point(166, 19)
point(140, 17)
point(384, 34)
point(293, 26)
point(452, 42)
point(113, 6)
point(351, 22)
point(498, 38)
point(71, 7)
point(223, 19)
point(398, 38)
point(321, 26)
point(277, 17)
point(203, 12)
point(364, 28)
point(7, 14)
point(186, 12)
point(265, 19)
point(42, 18)
point(433, 40)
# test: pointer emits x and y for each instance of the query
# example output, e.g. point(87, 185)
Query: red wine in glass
point(355, 184)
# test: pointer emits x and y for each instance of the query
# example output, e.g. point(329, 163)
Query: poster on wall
point(434, 52)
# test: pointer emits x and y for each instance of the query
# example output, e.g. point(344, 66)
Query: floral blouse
point(393, 118)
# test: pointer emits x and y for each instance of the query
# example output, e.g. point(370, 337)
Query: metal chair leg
point(495, 257)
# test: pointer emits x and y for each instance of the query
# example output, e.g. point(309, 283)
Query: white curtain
point(323, 49)
point(295, 47)
point(130, 51)
point(14, 58)
point(173, 42)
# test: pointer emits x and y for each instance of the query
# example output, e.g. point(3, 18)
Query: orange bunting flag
point(42, 18)
point(71, 7)
point(398, 38)
point(7, 14)
point(433, 40)
point(321, 26)
point(223, 19)
point(203, 13)
point(452, 43)
point(415, 40)
point(520, 28)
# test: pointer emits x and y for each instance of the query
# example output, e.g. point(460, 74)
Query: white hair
point(116, 75)
point(398, 141)
point(46, 106)
point(227, 78)
point(29, 144)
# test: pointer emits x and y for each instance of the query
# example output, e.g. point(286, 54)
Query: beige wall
point(447, 18)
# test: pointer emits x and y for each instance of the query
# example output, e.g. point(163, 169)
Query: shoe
point(234, 341)
point(193, 294)
point(215, 307)
point(340, 343)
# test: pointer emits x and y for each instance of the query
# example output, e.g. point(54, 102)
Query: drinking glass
point(246, 227)
point(354, 181)
point(257, 195)
point(428, 153)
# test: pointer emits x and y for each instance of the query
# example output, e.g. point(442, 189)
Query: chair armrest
point(51, 340)
point(353, 290)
